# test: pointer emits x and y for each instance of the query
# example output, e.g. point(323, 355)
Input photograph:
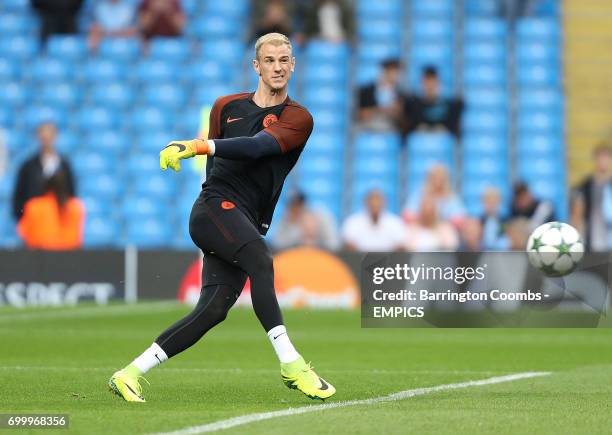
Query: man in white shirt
point(373, 229)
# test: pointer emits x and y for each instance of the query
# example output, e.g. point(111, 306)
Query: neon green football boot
point(126, 384)
point(299, 375)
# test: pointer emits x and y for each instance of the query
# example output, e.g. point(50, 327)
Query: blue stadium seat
point(380, 8)
point(485, 29)
point(537, 52)
point(379, 30)
point(88, 163)
point(188, 121)
point(476, 165)
point(44, 70)
point(485, 145)
point(148, 233)
point(213, 26)
point(102, 186)
point(14, 94)
point(138, 164)
point(432, 30)
point(140, 207)
point(112, 95)
point(191, 8)
point(315, 166)
point(36, 114)
point(367, 73)
point(538, 29)
point(538, 75)
point(485, 121)
point(330, 144)
point(485, 51)
point(119, 48)
point(321, 186)
point(104, 70)
point(169, 96)
point(431, 144)
point(326, 51)
point(482, 97)
point(377, 52)
point(158, 184)
point(19, 6)
point(111, 142)
point(97, 207)
point(225, 51)
point(67, 47)
point(328, 96)
point(152, 141)
point(170, 49)
point(16, 24)
point(235, 8)
point(101, 232)
point(540, 98)
point(67, 142)
point(6, 115)
point(204, 71)
point(530, 168)
point(376, 167)
point(206, 95)
point(96, 118)
point(18, 47)
point(482, 8)
point(484, 75)
point(328, 120)
point(150, 117)
point(539, 121)
point(433, 8)
point(9, 69)
point(155, 70)
point(335, 74)
point(383, 144)
point(65, 95)
point(540, 144)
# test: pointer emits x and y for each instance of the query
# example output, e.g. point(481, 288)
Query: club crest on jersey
point(269, 120)
point(227, 205)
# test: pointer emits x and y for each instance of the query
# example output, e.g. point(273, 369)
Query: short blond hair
point(271, 38)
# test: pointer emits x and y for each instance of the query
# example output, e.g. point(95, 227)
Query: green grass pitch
point(58, 361)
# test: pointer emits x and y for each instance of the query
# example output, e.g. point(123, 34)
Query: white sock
point(282, 345)
point(150, 358)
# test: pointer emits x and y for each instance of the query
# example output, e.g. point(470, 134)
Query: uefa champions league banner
point(486, 289)
point(39, 278)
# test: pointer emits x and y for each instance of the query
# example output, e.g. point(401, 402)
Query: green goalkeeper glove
point(179, 150)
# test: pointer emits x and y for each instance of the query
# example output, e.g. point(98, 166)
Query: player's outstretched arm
point(178, 150)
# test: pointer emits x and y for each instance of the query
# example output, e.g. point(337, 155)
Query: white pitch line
point(401, 395)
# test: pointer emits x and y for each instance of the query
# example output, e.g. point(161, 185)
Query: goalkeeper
point(254, 141)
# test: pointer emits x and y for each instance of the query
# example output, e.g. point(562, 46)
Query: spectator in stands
point(428, 232)
point(374, 229)
point(302, 226)
point(591, 205)
point(271, 16)
point(35, 171)
point(379, 104)
point(57, 16)
point(431, 111)
point(517, 232)
point(161, 18)
point(329, 20)
point(525, 205)
point(112, 18)
point(53, 221)
point(471, 236)
point(492, 221)
point(438, 187)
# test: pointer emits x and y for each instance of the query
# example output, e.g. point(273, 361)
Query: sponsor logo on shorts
point(227, 205)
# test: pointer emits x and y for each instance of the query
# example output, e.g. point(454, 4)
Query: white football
point(555, 248)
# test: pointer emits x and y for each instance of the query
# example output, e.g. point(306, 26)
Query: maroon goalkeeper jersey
point(254, 185)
